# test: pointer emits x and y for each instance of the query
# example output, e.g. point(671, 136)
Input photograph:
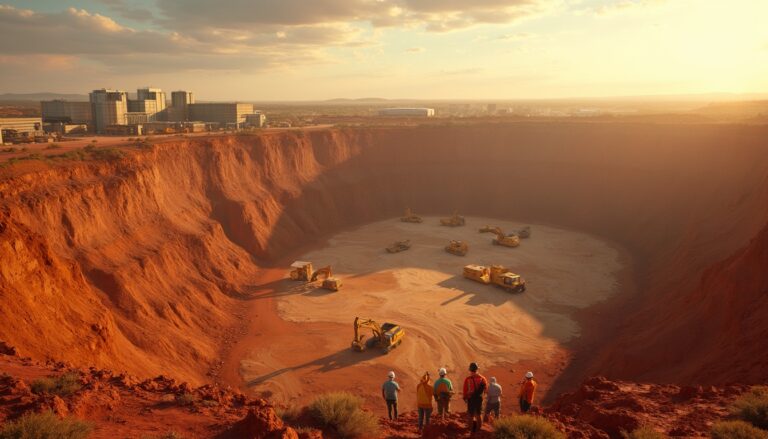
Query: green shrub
point(752, 407)
point(289, 413)
point(525, 427)
point(736, 430)
point(45, 426)
point(63, 385)
point(343, 412)
point(645, 433)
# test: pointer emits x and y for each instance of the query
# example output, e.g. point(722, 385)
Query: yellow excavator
point(385, 337)
point(455, 220)
point(505, 240)
point(399, 246)
point(458, 248)
point(329, 282)
point(409, 217)
point(301, 270)
point(497, 275)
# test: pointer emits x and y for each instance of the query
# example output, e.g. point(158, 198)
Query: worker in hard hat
point(424, 400)
point(527, 390)
point(389, 391)
point(475, 386)
point(493, 401)
point(443, 391)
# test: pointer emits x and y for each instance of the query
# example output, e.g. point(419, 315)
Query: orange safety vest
point(527, 389)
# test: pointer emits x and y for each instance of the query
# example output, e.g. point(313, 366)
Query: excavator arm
point(357, 343)
point(321, 271)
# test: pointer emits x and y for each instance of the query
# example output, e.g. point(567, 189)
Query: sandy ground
point(449, 320)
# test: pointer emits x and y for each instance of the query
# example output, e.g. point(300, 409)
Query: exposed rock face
point(138, 265)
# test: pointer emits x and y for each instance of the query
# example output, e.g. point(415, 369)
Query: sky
point(420, 49)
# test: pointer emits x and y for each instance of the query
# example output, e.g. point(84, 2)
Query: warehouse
point(407, 112)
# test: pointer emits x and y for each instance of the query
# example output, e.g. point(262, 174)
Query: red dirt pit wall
point(140, 264)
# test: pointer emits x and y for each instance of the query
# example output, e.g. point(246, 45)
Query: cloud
point(615, 7)
point(100, 39)
point(433, 15)
point(415, 50)
point(127, 11)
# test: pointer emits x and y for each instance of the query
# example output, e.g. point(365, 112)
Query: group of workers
point(476, 388)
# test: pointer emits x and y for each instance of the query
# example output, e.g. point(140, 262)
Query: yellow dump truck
point(497, 275)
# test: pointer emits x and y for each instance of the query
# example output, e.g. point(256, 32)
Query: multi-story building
point(180, 102)
point(407, 112)
point(152, 94)
point(225, 114)
point(108, 107)
point(150, 101)
point(136, 118)
point(66, 112)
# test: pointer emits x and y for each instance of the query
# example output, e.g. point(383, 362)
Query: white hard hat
point(442, 371)
point(391, 374)
point(529, 375)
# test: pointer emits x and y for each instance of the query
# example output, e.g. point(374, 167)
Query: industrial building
point(225, 114)
point(407, 112)
point(150, 101)
point(108, 107)
point(180, 101)
point(136, 117)
point(66, 112)
point(17, 128)
point(255, 120)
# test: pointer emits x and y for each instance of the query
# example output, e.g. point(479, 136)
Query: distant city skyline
point(258, 50)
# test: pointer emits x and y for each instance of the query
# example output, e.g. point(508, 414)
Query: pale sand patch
point(449, 320)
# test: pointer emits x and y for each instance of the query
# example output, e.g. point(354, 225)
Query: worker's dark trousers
point(392, 408)
point(424, 415)
point(524, 405)
point(443, 406)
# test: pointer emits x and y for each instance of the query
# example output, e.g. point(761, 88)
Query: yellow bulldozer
point(399, 246)
point(301, 270)
point(458, 248)
point(385, 337)
point(410, 217)
point(329, 282)
point(455, 220)
point(505, 240)
point(497, 275)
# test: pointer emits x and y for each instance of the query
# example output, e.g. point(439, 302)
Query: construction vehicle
point(399, 246)
point(524, 232)
point(455, 220)
point(301, 270)
point(505, 240)
point(478, 273)
point(385, 337)
point(329, 282)
point(409, 217)
point(487, 229)
point(458, 248)
point(497, 275)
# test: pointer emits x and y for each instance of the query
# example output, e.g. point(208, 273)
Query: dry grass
point(752, 407)
point(525, 427)
point(736, 430)
point(45, 426)
point(343, 412)
point(63, 385)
